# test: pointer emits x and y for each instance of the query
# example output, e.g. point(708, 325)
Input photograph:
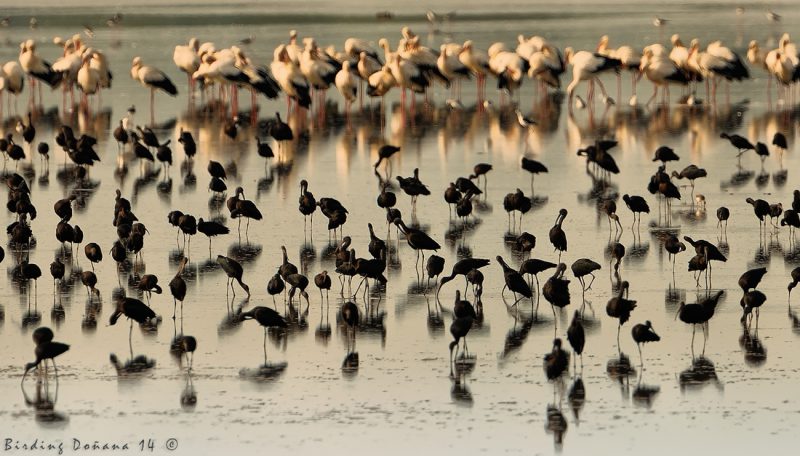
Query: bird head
point(30, 366)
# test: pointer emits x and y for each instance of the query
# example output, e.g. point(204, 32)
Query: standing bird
point(93, 253)
point(459, 329)
point(234, 271)
point(514, 281)
point(308, 204)
point(323, 282)
point(267, 318)
point(642, 334)
point(583, 267)
point(534, 167)
point(761, 209)
point(557, 236)
point(275, 286)
point(750, 279)
point(245, 208)
point(136, 311)
point(417, 239)
point(699, 313)
point(691, 172)
point(620, 308)
point(434, 268)
point(57, 272)
point(741, 144)
point(481, 169)
point(211, 229)
point(576, 336)
point(779, 141)
point(177, 286)
point(153, 79)
point(665, 154)
point(350, 317)
point(462, 267)
point(637, 205)
point(752, 300)
point(45, 349)
point(298, 282)
point(385, 152)
point(556, 289)
point(674, 246)
point(723, 214)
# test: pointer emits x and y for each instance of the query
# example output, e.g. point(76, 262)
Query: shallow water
point(401, 397)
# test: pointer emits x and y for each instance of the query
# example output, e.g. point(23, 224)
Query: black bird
point(556, 362)
point(514, 281)
point(215, 169)
point(665, 154)
point(413, 187)
point(30, 271)
point(459, 329)
point(136, 311)
point(57, 271)
point(121, 135)
point(267, 318)
point(417, 239)
point(280, 131)
point(217, 185)
point(189, 146)
point(723, 214)
point(691, 172)
point(45, 349)
point(741, 144)
point(264, 151)
point(534, 167)
point(642, 334)
point(452, 196)
point(234, 271)
point(211, 229)
point(308, 204)
point(164, 155)
point(44, 151)
point(376, 244)
point(93, 253)
point(187, 344)
point(557, 236)
point(177, 287)
point(384, 153)
point(286, 269)
point(762, 151)
point(63, 208)
point(761, 209)
point(298, 282)
point(637, 205)
point(752, 300)
point(434, 267)
point(699, 313)
point(534, 266)
point(556, 289)
point(617, 253)
point(245, 208)
point(750, 279)
point(576, 336)
point(462, 267)
point(323, 282)
point(188, 225)
point(620, 308)
point(583, 267)
point(779, 141)
point(148, 283)
point(275, 286)
point(673, 246)
point(481, 169)
point(386, 199)
point(795, 280)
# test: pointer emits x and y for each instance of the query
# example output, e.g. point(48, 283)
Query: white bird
point(88, 79)
point(508, 66)
point(13, 79)
point(629, 60)
point(586, 66)
point(661, 71)
point(408, 75)
point(346, 83)
point(288, 76)
point(99, 63)
point(772, 16)
point(478, 63)
point(546, 65)
point(355, 46)
point(451, 67)
point(35, 67)
point(293, 49)
point(258, 78)
point(380, 82)
point(186, 58)
point(68, 65)
point(319, 73)
point(660, 21)
point(153, 79)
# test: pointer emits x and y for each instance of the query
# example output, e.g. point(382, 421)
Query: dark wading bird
point(556, 362)
point(177, 286)
point(462, 267)
point(576, 336)
point(136, 311)
point(643, 333)
point(459, 329)
point(699, 313)
point(514, 282)
point(45, 349)
point(620, 308)
point(557, 236)
point(267, 318)
point(234, 271)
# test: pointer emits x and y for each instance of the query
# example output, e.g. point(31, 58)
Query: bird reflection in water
point(644, 394)
point(350, 318)
point(556, 425)
point(699, 374)
point(43, 403)
point(620, 369)
point(137, 364)
point(577, 397)
point(460, 392)
point(755, 354)
point(188, 394)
